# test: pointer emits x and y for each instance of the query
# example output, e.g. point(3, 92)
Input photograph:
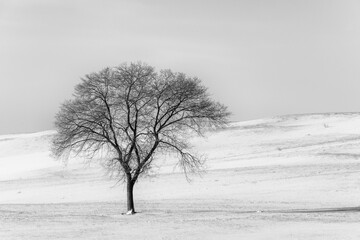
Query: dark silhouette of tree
point(130, 112)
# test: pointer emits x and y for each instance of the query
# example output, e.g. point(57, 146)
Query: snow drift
point(271, 168)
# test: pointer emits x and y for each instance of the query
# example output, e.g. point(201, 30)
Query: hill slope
point(266, 179)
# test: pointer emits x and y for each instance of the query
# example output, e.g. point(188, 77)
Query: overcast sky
point(260, 58)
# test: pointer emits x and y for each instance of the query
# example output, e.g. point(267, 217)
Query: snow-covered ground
point(290, 177)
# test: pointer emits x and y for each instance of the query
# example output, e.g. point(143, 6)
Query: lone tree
point(130, 112)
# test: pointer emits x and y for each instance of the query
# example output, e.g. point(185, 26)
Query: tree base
point(130, 212)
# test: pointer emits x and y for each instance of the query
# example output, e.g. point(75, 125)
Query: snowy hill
point(297, 171)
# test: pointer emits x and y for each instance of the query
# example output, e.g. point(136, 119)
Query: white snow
point(288, 177)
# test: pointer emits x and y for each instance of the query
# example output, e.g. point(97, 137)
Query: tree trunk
point(130, 197)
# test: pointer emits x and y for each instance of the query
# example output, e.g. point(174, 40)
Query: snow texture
point(289, 177)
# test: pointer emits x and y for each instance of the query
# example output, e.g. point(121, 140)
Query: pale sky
point(260, 58)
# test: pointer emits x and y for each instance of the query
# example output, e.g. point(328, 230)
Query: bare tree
point(130, 112)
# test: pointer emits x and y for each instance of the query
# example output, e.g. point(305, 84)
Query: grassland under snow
point(291, 177)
